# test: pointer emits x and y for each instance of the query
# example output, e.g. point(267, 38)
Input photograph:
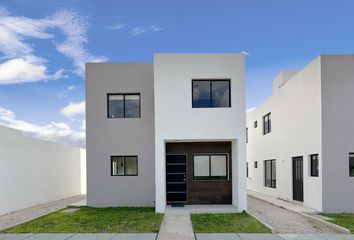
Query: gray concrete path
point(176, 225)
point(250, 236)
point(108, 236)
point(286, 221)
point(28, 214)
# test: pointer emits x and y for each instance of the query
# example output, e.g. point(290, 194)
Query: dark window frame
point(211, 91)
point(255, 164)
point(125, 175)
point(246, 135)
point(351, 164)
point(314, 165)
point(123, 94)
point(247, 170)
point(210, 177)
point(273, 182)
point(267, 123)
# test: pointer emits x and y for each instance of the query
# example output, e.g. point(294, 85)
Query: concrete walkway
point(101, 236)
point(28, 214)
point(285, 221)
point(244, 236)
point(176, 225)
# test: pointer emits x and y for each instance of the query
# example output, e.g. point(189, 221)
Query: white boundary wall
point(34, 171)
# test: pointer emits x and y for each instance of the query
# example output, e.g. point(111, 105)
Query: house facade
point(167, 132)
point(301, 140)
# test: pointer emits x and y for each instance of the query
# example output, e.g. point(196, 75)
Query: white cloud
point(71, 88)
point(245, 53)
point(156, 28)
point(16, 30)
point(54, 131)
point(116, 26)
point(19, 70)
point(74, 109)
point(138, 30)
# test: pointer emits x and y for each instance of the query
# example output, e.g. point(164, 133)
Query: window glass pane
point(201, 167)
point(274, 174)
point(218, 166)
point(220, 93)
point(115, 106)
point(267, 173)
point(132, 106)
point(201, 94)
point(351, 165)
point(131, 166)
point(117, 166)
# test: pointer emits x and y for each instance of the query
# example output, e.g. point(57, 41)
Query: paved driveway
point(286, 221)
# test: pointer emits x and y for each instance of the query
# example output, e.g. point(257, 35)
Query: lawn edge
point(262, 222)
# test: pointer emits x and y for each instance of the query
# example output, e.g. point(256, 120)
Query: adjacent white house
point(301, 140)
point(167, 132)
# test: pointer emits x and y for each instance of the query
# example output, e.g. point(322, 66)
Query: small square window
point(255, 164)
point(211, 94)
point(123, 105)
point(351, 164)
point(124, 165)
point(255, 124)
point(314, 172)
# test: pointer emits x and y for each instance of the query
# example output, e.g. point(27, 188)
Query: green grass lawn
point(94, 220)
point(342, 219)
point(227, 223)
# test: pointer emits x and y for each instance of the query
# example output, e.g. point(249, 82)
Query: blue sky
point(44, 44)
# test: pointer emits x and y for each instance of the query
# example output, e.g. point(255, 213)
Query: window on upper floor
point(211, 94)
point(247, 173)
point(267, 124)
point(124, 165)
point(314, 165)
point(270, 177)
point(255, 124)
point(255, 164)
point(123, 105)
point(351, 164)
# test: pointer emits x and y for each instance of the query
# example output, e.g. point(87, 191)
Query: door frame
point(186, 156)
point(293, 177)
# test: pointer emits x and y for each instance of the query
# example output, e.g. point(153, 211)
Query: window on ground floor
point(255, 164)
point(124, 165)
point(351, 164)
point(314, 165)
point(270, 173)
point(210, 167)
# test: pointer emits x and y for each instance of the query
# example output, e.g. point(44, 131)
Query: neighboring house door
point(298, 179)
point(176, 186)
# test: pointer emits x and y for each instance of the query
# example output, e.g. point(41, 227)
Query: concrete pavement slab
point(339, 237)
point(258, 236)
point(217, 236)
point(132, 236)
point(14, 236)
point(50, 236)
point(89, 236)
point(302, 237)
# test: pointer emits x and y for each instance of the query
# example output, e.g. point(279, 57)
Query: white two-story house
point(167, 132)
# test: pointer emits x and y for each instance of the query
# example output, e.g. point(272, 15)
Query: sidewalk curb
point(328, 224)
point(263, 222)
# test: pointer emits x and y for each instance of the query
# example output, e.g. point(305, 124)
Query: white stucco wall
point(296, 131)
point(176, 120)
point(338, 132)
point(33, 171)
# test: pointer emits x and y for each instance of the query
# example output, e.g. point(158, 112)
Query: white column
point(160, 176)
point(239, 179)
